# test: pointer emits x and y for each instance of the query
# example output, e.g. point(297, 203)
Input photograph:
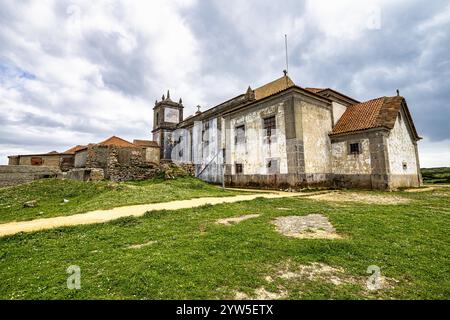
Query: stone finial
point(156, 102)
point(168, 94)
point(285, 72)
point(181, 101)
point(163, 98)
point(198, 110)
point(398, 93)
point(250, 93)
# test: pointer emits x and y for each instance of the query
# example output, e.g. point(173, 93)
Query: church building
point(281, 135)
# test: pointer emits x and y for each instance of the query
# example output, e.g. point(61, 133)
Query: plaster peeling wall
point(401, 149)
point(255, 152)
point(207, 155)
point(338, 111)
point(316, 123)
point(344, 163)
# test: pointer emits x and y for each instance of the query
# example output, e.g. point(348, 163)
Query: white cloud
point(434, 154)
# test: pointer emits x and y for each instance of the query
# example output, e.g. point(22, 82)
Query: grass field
point(436, 175)
point(185, 255)
point(83, 197)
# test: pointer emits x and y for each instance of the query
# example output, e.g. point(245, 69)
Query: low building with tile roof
point(281, 135)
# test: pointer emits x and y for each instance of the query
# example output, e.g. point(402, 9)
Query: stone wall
point(81, 158)
point(13, 175)
point(125, 164)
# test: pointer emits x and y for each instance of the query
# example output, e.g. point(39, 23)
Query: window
point(272, 166)
point(355, 148)
point(269, 126)
point(205, 134)
point(239, 135)
point(36, 161)
point(239, 168)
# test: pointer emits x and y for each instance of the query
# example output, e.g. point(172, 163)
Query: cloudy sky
point(73, 72)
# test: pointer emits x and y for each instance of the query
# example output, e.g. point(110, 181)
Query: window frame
point(239, 165)
point(243, 138)
point(353, 143)
point(268, 129)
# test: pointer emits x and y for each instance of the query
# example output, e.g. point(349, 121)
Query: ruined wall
point(316, 125)
point(126, 164)
point(67, 162)
point(152, 154)
point(13, 175)
point(401, 150)
point(80, 159)
point(13, 160)
point(47, 160)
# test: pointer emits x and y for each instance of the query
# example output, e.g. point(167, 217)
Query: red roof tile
point(377, 113)
point(116, 141)
point(74, 149)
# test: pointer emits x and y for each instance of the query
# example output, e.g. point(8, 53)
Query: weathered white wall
point(345, 163)
point(255, 153)
point(207, 156)
point(316, 124)
point(338, 111)
point(401, 149)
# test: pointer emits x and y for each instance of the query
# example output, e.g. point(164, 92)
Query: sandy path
point(100, 216)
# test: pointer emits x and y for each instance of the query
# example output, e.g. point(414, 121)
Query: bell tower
point(166, 116)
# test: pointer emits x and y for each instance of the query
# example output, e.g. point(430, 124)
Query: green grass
point(194, 258)
point(436, 175)
point(87, 196)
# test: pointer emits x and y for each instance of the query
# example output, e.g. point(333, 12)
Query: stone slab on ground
point(313, 226)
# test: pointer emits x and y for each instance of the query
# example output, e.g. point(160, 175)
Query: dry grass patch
point(141, 245)
point(313, 226)
point(328, 274)
point(231, 221)
point(424, 189)
point(360, 197)
point(315, 272)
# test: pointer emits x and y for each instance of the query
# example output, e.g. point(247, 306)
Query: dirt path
point(100, 216)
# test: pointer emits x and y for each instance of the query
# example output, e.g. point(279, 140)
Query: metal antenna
point(286, 46)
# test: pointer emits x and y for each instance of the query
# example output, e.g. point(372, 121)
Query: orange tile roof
point(116, 141)
point(273, 87)
point(145, 143)
point(376, 113)
point(74, 149)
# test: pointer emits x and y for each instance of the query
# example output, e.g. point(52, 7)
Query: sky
point(76, 72)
